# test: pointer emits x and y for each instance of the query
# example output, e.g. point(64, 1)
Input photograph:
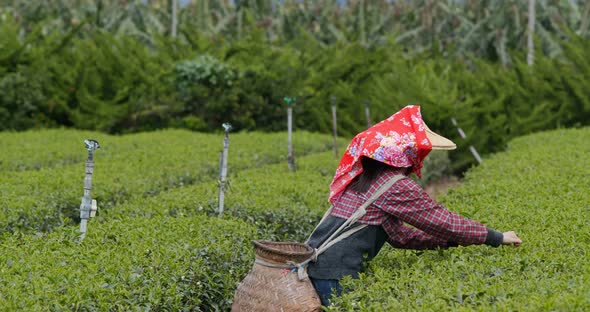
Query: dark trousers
point(327, 289)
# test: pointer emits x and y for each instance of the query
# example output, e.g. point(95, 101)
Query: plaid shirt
point(407, 203)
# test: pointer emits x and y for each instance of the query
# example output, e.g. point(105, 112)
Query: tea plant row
point(168, 250)
point(131, 264)
point(131, 166)
point(282, 204)
point(164, 252)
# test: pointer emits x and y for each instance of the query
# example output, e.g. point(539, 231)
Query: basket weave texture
point(276, 289)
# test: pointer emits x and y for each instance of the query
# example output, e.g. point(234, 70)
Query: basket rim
point(269, 246)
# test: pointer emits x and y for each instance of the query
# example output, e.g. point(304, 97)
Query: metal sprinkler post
point(290, 157)
point(464, 137)
point(223, 170)
point(88, 207)
point(334, 127)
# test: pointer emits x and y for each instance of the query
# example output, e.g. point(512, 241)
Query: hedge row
point(33, 150)
point(117, 84)
point(147, 264)
point(130, 166)
point(282, 204)
point(165, 253)
point(539, 188)
point(38, 149)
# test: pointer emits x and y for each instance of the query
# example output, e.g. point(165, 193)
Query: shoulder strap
point(337, 236)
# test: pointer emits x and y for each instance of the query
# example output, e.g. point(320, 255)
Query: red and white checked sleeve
point(405, 237)
point(409, 203)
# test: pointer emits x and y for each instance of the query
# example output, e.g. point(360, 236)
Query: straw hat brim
point(438, 141)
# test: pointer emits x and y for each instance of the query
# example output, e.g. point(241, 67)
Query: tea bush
point(134, 264)
point(539, 188)
point(282, 204)
point(34, 149)
point(167, 249)
point(125, 167)
point(37, 149)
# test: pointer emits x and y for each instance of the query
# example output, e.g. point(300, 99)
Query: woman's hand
point(510, 238)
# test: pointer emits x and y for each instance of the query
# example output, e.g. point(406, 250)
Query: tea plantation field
point(540, 188)
point(158, 243)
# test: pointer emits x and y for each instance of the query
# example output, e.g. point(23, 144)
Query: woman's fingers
point(510, 238)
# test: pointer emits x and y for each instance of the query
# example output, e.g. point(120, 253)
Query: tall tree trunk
point(174, 18)
point(531, 30)
point(98, 18)
point(585, 21)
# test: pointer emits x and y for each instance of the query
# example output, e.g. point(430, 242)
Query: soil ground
point(442, 186)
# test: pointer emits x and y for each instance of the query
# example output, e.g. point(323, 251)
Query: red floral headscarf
point(399, 141)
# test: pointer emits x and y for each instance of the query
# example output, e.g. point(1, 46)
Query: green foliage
point(346, 73)
point(205, 70)
point(287, 209)
point(268, 75)
point(126, 167)
point(134, 256)
point(162, 246)
point(36, 149)
point(111, 67)
point(19, 107)
point(92, 79)
point(497, 105)
point(115, 88)
point(163, 264)
point(206, 88)
point(21, 96)
point(536, 188)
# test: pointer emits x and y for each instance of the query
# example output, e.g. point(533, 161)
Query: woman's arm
point(405, 237)
point(409, 203)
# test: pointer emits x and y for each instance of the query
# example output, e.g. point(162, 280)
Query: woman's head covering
point(402, 140)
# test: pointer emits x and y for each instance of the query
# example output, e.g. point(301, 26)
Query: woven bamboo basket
point(276, 289)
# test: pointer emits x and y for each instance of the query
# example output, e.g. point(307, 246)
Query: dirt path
point(441, 187)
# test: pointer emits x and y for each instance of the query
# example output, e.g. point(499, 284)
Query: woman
point(385, 155)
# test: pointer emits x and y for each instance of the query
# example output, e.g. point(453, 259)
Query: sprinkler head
point(289, 100)
point(227, 127)
point(91, 145)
